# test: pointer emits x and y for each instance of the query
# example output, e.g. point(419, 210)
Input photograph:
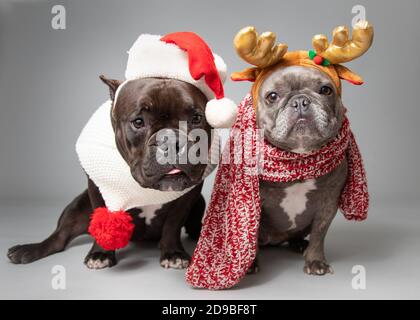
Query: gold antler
point(342, 49)
point(257, 50)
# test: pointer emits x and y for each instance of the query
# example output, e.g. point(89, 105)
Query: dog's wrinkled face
point(143, 110)
point(299, 109)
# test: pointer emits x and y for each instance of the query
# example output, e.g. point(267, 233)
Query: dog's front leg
point(98, 258)
point(315, 262)
point(172, 252)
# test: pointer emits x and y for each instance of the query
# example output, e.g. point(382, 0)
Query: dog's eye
point(138, 123)
point(325, 90)
point(196, 119)
point(272, 97)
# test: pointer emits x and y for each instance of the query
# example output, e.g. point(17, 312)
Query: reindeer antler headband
point(257, 50)
point(262, 52)
point(342, 49)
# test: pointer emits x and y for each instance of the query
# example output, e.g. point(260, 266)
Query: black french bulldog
point(157, 104)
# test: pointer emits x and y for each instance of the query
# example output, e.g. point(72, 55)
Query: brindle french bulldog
point(167, 102)
point(300, 111)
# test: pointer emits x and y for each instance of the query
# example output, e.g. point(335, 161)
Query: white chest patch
point(149, 212)
point(294, 203)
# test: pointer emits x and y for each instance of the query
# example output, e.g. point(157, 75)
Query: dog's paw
point(254, 268)
point(176, 260)
point(100, 260)
point(27, 253)
point(318, 268)
point(298, 245)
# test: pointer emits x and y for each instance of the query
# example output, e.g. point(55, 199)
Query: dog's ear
point(112, 85)
point(348, 75)
point(249, 74)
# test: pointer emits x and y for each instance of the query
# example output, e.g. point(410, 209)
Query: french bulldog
point(143, 107)
point(292, 160)
point(300, 111)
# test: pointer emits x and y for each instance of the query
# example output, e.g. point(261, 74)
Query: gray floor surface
point(386, 245)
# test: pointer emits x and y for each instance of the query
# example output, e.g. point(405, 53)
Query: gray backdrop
point(49, 82)
point(49, 87)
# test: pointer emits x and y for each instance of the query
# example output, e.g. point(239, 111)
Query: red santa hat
point(184, 56)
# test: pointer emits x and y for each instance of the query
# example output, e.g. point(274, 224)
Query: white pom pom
point(221, 113)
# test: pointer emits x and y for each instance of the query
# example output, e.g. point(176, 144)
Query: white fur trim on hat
point(151, 57)
point(221, 113)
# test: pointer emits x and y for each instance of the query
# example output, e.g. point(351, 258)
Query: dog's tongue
point(174, 171)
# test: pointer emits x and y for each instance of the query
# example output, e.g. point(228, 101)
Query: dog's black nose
point(173, 141)
point(181, 145)
point(300, 103)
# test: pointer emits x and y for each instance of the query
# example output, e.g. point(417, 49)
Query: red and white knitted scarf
point(228, 240)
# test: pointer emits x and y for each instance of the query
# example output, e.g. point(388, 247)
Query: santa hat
point(229, 236)
point(184, 56)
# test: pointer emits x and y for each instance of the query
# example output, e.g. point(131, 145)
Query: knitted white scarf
point(101, 160)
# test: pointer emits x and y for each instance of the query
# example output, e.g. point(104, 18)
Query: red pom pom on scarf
point(112, 230)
